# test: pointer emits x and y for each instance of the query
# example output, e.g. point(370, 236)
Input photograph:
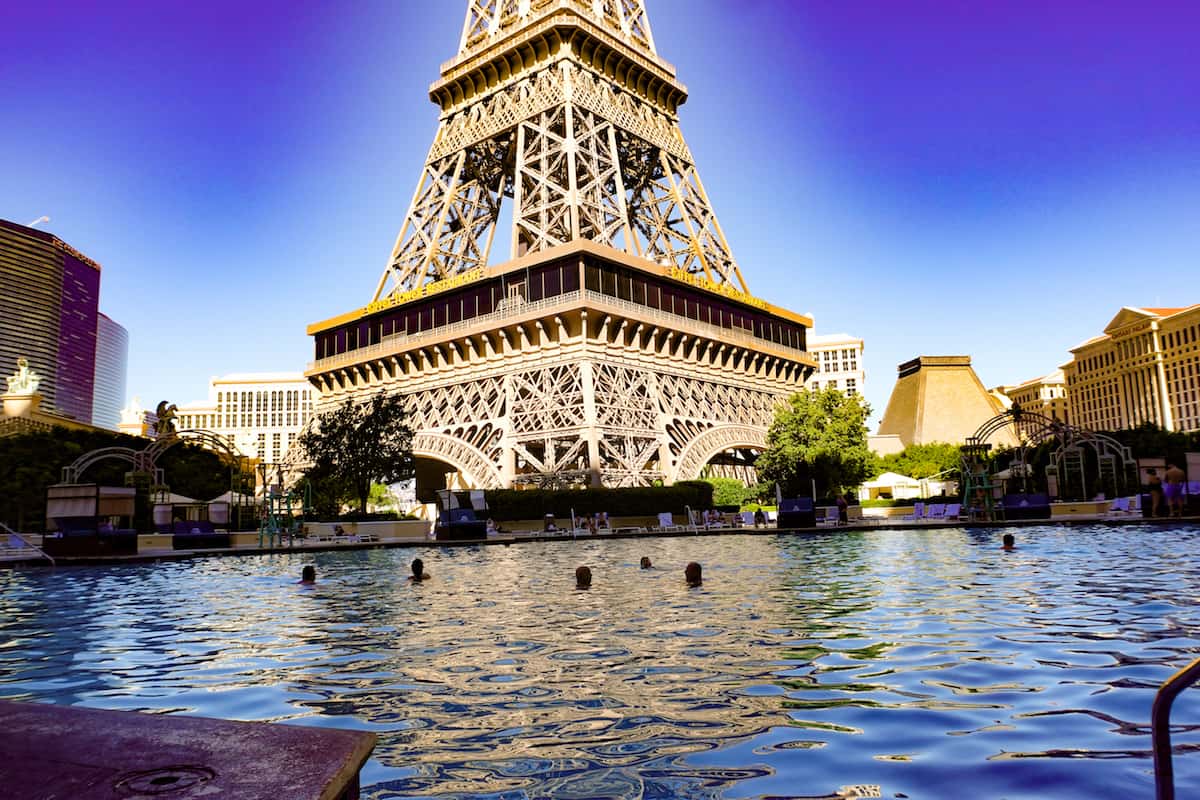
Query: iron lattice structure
point(564, 107)
point(619, 344)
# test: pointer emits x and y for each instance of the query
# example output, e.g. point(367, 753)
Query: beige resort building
point(1046, 396)
point(261, 413)
point(1144, 368)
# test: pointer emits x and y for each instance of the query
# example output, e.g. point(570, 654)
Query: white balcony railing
point(399, 342)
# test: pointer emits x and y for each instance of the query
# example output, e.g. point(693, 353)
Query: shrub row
point(639, 501)
point(907, 502)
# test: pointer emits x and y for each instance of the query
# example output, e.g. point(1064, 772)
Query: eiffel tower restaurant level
point(644, 353)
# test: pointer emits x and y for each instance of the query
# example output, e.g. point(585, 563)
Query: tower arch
point(716, 440)
point(468, 460)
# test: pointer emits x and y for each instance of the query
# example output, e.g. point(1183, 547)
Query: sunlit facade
point(261, 413)
point(839, 358)
point(112, 360)
point(1046, 396)
point(1144, 368)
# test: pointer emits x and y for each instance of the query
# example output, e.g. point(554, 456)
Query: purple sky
point(939, 178)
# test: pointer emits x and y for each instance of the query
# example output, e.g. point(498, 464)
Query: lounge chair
point(1119, 507)
point(953, 511)
point(666, 522)
point(936, 512)
point(918, 511)
point(746, 519)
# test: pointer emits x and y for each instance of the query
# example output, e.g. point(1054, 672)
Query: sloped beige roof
point(940, 399)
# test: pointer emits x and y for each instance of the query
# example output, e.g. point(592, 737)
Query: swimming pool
point(928, 662)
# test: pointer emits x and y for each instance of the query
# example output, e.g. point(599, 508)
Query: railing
point(715, 332)
point(1160, 728)
point(397, 341)
point(393, 341)
point(25, 544)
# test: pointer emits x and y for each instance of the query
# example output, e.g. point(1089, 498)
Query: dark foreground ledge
point(49, 751)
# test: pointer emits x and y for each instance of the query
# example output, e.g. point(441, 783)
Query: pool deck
point(28, 558)
point(54, 751)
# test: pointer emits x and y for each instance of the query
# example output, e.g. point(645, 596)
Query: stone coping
point(98, 754)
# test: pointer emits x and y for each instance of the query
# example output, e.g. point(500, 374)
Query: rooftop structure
point(939, 399)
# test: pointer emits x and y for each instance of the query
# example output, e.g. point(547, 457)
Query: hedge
point(907, 502)
point(637, 501)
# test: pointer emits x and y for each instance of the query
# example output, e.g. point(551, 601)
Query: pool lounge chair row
point(936, 512)
point(343, 537)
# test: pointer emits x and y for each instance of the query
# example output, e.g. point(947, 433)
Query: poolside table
point(49, 751)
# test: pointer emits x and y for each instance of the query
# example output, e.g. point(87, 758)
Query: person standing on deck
point(1155, 485)
point(1173, 490)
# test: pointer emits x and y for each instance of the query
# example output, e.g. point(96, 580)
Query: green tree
point(922, 460)
point(380, 498)
point(818, 436)
point(30, 462)
point(727, 491)
point(360, 443)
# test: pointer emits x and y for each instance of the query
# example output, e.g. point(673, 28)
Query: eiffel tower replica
point(619, 344)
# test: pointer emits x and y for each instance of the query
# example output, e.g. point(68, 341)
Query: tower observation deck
point(619, 343)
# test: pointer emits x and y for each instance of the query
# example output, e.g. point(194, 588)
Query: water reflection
point(920, 661)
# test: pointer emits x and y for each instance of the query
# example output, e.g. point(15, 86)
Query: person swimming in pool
point(418, 571)
point(1009, 542)
point(645, 562)
point(583, 578)
point(308, 575)
point(693, 574)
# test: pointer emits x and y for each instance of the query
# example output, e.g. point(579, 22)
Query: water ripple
point(920, 661)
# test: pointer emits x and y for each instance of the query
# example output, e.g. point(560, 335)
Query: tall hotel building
point(49, 314)
point(1046, 396)
point(112, 359)
point(1144, 368)
point(262, 413)
point(839, 359)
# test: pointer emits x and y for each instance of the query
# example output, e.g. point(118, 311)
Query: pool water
point(928, 662)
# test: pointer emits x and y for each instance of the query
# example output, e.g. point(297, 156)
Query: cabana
point(899, 487)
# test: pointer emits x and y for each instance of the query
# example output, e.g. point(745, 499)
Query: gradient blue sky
point(994, 179)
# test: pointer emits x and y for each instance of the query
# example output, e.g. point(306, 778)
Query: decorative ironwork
point(1115, 466)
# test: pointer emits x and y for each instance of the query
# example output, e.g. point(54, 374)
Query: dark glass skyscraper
point(49, 313)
